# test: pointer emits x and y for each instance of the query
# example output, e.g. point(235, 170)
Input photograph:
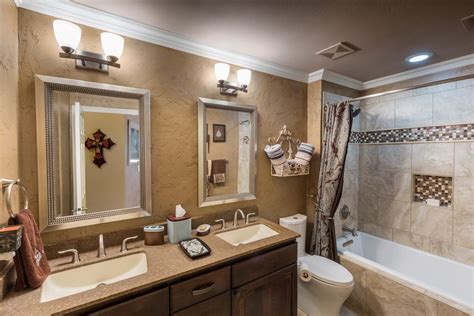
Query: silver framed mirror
point(227, 149)
point(94, 153)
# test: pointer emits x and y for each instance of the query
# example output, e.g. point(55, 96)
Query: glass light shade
point(244, 76)
point(418, 57)
point(68, 35)
point(112, 44)
point(222, 71)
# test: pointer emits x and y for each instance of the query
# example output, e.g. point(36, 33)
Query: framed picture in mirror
point(218, 133)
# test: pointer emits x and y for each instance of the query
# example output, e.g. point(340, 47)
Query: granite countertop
point(165, 263)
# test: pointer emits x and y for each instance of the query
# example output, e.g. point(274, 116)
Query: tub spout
point(353, 231)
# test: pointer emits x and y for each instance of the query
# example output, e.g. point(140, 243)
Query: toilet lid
point(327, 270)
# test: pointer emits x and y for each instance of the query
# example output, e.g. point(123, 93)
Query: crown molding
point(105, 21)
point(420, 72)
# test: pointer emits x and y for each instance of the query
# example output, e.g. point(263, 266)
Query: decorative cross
point(98, 144)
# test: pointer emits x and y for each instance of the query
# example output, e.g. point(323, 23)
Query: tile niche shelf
point(286, 140)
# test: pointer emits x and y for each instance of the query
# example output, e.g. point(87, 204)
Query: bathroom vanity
point(249, 279)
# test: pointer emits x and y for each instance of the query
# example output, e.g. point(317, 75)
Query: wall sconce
point(222, 72)
point(68, 36)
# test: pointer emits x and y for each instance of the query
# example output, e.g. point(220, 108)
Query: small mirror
point(95, 155)
point(227, 151)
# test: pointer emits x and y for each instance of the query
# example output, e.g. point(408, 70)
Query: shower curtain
point(337, 128)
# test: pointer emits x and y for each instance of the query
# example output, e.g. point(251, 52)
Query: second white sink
point(90, 276)
point(247, 234)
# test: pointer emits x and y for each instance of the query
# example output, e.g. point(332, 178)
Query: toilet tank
point(296, 223)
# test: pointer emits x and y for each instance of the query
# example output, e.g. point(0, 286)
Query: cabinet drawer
point(216, 306)
point(154, 303)
point(258, 266)
point(197, 289)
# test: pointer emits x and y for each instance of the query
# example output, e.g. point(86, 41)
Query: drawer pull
point(200, 290)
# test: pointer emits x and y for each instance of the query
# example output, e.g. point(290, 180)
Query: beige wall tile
point(375, 229)
point(463, 228)
point(453, 106)
point(433, 222)
point(357, 301)
point(414, 112)
point(435, 88)
point(403, 187)
point(368, 155)
point(380, 183)
point(411, 240)
point(351, 183)
point(463, 195)
point(464, 83)
point(396, 96)
point(433, 159)
point(352, 158)
point(446, 310)
point(387, 297)
point(368, 208)
point(463, 159)
point(394, 214)
point(394, 158)
point(377, 116)
point(453, 252)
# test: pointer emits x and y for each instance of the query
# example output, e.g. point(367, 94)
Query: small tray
point(194, 248)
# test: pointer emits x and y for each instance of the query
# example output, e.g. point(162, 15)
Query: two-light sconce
point(222, 72)
point(68, 36)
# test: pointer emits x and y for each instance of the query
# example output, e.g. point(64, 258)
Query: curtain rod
point(411, 88)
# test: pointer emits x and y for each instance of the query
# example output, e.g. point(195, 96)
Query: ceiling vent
point(468, 23)
point(338, 50)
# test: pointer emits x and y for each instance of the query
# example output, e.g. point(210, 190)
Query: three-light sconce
point(222, 72)
point(68, 36)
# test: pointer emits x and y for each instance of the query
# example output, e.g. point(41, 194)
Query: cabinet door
point(154, 303)
point(274, 294)
point(216, 306)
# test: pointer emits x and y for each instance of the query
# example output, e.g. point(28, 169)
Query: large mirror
point(93, 152)
point(227, 152)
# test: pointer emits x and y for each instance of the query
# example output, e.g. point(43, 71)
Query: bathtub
point(438, 277)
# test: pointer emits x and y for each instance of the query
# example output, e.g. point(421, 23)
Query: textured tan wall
point(176, 80)
point(8, 96)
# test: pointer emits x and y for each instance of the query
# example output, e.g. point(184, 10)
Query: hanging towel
point(304, 154)
point(277, 157)
point(218, 171)
point(31, 264)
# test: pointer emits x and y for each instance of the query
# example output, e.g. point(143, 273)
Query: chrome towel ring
point(9, 184)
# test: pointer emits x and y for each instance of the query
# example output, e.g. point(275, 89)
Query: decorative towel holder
point(286, 140)
point(8, 185)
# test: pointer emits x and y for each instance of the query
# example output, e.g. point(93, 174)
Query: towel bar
point(8, 184)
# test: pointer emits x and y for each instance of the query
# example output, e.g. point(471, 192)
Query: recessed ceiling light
point(416, 58)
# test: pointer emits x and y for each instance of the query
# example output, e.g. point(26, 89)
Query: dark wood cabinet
point(274, 294)
point(154, 303)
point(255, 285)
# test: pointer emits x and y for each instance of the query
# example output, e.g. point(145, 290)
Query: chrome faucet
point(236, 215)
point(353, 231)
point(101, 251)
point(75, 259)
point(124, 247)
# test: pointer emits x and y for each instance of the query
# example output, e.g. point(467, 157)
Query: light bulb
point(68, 35)
point(222, 71)
point(244, 76)
point(418, 57)
point(112, 44)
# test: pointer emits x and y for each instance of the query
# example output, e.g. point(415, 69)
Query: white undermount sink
point(90, 276)
point(247, 234)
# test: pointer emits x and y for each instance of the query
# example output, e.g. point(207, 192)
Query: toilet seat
point(327, 271)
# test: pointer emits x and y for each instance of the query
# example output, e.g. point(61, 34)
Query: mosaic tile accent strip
point(433, 187)
point(461, 132)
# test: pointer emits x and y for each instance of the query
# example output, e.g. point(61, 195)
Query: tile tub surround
point(389, 159)
point(165, 263)
point(173, 119)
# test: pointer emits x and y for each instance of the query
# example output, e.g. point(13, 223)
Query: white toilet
point(329, 283)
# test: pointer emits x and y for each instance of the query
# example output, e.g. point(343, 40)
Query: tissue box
point(179, 228)
point(10, 238)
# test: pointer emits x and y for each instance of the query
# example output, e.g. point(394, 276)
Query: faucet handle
point(75, 255)
point(222, 221)
point(247, 217)
point(101, 250)
point(124, 247)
